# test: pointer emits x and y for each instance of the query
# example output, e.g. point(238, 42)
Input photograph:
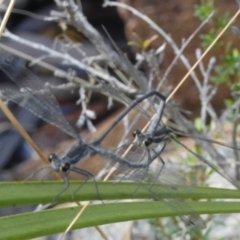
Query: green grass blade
point(16, 193)
point(30, 225)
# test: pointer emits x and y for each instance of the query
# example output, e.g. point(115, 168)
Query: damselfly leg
point(65, 166)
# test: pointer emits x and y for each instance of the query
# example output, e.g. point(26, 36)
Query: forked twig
point(203, 55)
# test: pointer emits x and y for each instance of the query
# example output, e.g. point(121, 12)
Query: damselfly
point(29, 92)
point(157, 132)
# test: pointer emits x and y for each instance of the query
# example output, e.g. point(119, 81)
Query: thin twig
point(185, 44)
point(21, 130)
point(24, 134)
point(206, 91)
point(29, 14)
point(6, 16)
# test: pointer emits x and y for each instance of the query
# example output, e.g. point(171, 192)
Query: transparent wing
point(136, 155)
point(137, 77)
point(154, 172)
point(28, 91)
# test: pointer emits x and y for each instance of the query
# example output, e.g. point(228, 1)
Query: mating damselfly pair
point(133, 159)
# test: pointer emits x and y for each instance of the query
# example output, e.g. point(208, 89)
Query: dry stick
point(24, 134)
point(101, 233)
point(169, 97)
point(6, 16)
point(21, 130)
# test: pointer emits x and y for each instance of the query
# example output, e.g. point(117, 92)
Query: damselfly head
point(136, 133)
point(139, 138)
point(56, 162)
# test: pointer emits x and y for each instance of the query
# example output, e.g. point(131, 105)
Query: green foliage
point(228, 102)
point(235, 87)
point(204, 9)
point(198, 124)
point(229, 67)
point(141, 44)
point(208, 38)
point(34, 224)
point(222, 20)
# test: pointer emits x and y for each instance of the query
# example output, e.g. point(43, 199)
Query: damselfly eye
point(148, 142)
point(66, 167)
point(136, 133)
point(50, 158)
